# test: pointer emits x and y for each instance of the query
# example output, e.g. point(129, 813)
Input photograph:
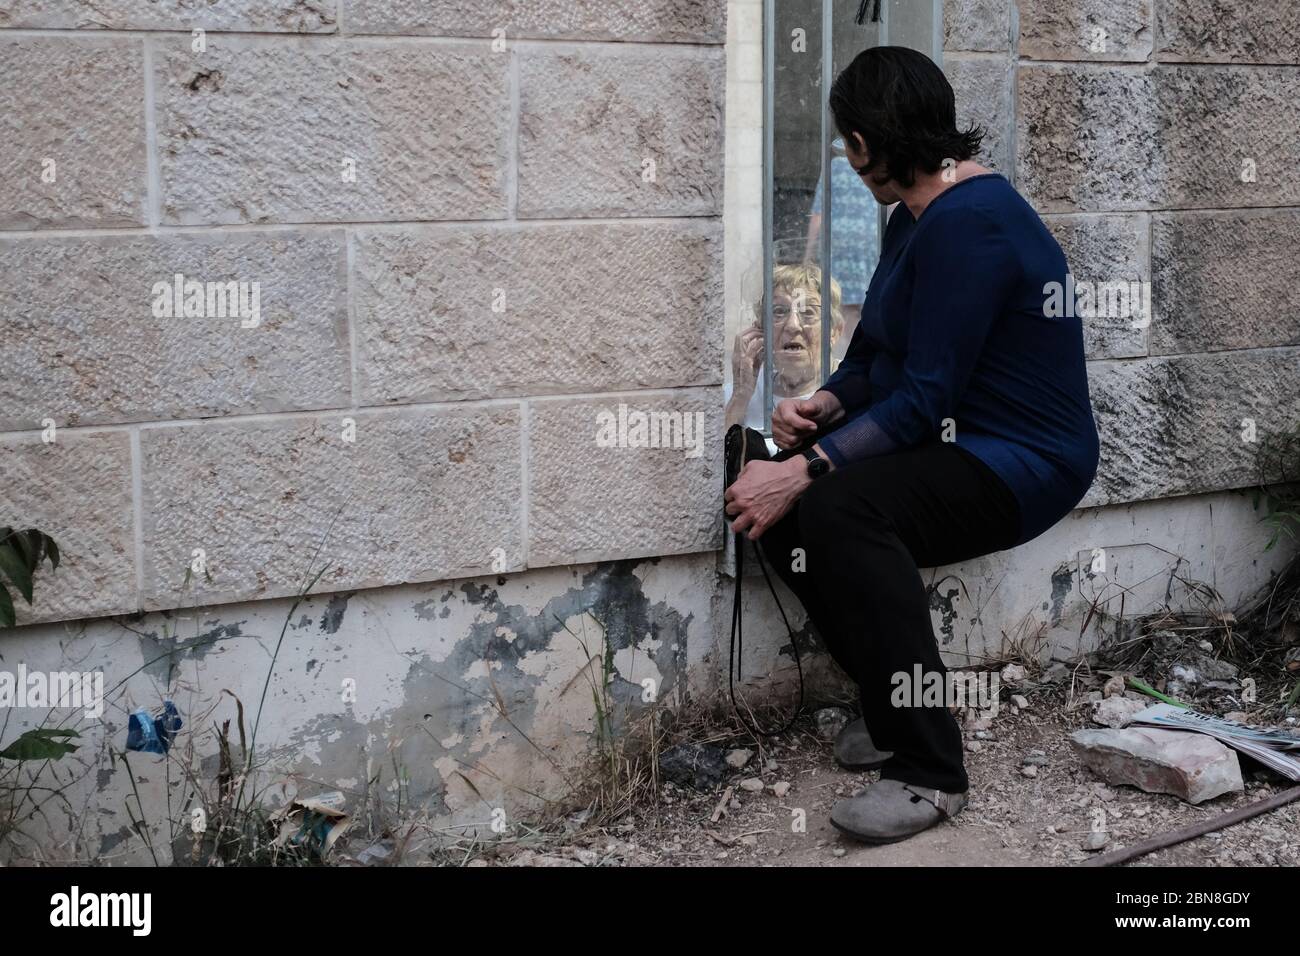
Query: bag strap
point(735, 659)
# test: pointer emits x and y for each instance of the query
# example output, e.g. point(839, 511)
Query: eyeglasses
point(809, 315)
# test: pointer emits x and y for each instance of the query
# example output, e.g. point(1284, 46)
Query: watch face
point(818, 466)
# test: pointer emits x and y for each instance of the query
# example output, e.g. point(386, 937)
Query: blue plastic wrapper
point(153, 733)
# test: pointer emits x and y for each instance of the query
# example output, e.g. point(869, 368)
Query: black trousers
point(865, 530)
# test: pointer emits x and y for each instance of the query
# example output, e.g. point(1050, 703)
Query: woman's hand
point(763, 494)
point(795, 420)
point(746, 358)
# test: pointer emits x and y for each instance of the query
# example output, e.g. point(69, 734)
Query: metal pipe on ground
point(1173, 837)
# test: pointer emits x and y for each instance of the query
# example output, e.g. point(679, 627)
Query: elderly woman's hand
point(746, 359)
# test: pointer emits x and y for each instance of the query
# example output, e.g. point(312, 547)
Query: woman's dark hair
point(903, 107)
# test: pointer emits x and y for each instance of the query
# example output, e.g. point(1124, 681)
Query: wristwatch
point(817, 465)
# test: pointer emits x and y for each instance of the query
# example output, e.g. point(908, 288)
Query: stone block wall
point(440, 331)
point(474, 226)
point(1157, 139)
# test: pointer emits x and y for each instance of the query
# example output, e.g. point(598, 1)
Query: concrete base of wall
point(471, 699)
point(1126, 560)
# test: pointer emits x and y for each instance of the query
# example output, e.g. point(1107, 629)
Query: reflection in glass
point(805, 44)
point(855, 243)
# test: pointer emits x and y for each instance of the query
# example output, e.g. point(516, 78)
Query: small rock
point(738, 758)
point(1237, 716)
point(700, 766)
point(839, 851)
point(752, 784)
point(781, 788)
point(734, 804)
point(1190, 766)
point(1199, 668)
point(1012, 674)
point(1019, 701)
point(974, 747)
point(1113, 686)
point(376, 854)
point(771, 767)
point(1035, 758)
point(1096, 840)
point(1029, 770)
point(1116, 712)
point(1056, 672)
point(749, 840)
point(1206, 646)
point(830, 721)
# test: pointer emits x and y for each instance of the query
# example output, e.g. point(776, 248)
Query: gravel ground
point(1031, 803)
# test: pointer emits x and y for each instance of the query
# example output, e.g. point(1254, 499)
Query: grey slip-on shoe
point(890, 810)
point(854, 749)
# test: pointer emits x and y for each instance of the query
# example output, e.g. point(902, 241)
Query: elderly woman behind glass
point(797, 345)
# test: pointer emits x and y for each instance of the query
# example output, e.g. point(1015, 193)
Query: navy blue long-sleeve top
point(955, 343)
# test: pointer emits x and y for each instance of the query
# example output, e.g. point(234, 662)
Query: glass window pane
point(794, 82)
point(796, 134)
point(855, 214)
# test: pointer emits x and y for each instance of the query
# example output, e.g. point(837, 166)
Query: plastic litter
point(153, 733)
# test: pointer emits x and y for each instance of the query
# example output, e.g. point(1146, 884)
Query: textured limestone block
point(634, 132)
point(417, 496)
point(1225, 280)
point(1181, 425)
point(597, 491)
point(89, 340)
point(687, 21)
point(72, 125)
point(1085, 29)
point(983, 90)
point(1085, 139)
point(77, 489)
point(1192, 767)
point(1218, 31)
point(266, 131)
point(1098, 139)
point(1108, 249)
point(262, 16)
point(581, 309)
point(1229, 135)
point(982, 26)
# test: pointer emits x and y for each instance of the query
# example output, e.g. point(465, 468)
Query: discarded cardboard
point(315, 823)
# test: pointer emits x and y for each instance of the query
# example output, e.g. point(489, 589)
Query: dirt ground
point(1031, 803)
